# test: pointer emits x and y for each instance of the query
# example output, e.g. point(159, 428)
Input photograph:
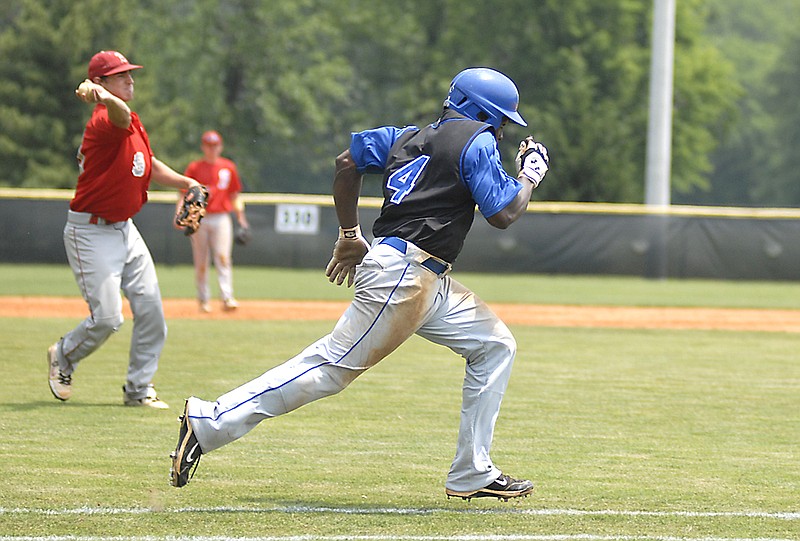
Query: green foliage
point(36, 112)
point(286, 82)
point(704, 93)
point(41, 122)
point(598, 103)
point(752, 165)
point(783, 185)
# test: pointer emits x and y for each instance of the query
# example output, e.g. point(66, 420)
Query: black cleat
point(186, 456)
point(503, 488)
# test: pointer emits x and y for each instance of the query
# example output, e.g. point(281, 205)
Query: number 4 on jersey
point(402, 181)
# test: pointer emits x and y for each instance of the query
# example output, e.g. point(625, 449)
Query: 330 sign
point(302, 219)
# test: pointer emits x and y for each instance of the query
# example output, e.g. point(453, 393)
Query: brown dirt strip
point(513, 314)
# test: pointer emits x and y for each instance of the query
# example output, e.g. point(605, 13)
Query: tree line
point(286, 81)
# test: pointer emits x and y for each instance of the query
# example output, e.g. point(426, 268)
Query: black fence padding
point(649, 245)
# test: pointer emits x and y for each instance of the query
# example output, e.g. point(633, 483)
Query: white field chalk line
point(401, 511)
point(554, 537)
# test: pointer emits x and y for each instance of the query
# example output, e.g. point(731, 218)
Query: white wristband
point(350, 233)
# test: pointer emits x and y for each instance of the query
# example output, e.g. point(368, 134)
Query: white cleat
point(60, 385)
point(149, 401)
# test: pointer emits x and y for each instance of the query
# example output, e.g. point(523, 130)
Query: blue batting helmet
point(484, 90)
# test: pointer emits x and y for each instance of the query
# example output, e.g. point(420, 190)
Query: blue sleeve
point(492, 188)
point(370, 148)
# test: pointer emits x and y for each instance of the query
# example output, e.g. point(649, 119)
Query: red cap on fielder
point(211, 138)
point(108, 63)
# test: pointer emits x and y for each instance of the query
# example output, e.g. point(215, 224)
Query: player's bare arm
point(238, 208)
point(515, 208)
point(346, 190)
point(532, 163)
point(351, 246)
point(166, 176)
point(94, 92)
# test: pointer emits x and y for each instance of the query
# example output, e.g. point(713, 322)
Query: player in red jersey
point(215, 238)
point(104, 248)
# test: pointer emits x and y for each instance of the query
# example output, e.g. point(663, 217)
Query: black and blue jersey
point(433, 178)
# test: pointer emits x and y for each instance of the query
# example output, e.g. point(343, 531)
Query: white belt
point(85, 218)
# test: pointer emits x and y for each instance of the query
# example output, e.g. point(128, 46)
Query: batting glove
point(349, 251)
point(532, 161)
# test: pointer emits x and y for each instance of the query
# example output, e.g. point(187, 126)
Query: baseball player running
point(433, 178)
point(104, 247)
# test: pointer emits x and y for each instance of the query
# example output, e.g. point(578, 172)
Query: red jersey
point(222, 180)
point(115, 167)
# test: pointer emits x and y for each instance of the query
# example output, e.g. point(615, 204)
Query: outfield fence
point(551, 238)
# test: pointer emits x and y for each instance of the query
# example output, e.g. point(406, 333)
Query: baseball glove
point(532, 160)
point(192, 209)
point(243, 236)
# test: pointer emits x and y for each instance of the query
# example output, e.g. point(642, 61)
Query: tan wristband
point(350, 233)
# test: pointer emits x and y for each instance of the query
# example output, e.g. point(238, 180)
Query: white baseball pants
point(213, 239)
point(107, 258)
point(395, 297)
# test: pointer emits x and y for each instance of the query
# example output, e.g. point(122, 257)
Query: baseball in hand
point(85, 90)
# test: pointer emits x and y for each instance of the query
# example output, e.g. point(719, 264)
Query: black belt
point(432, 264)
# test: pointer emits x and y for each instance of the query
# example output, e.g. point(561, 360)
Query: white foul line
point(556, 537)
point(783, 515)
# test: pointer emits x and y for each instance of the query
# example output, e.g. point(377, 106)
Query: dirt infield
point(513, 314)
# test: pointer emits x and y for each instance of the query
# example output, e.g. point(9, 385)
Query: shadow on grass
point(74, 404)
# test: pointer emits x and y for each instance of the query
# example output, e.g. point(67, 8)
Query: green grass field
point(262, 283)
point(627, 434)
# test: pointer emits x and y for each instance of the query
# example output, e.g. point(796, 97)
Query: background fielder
point(433, 178)
point(215, 238)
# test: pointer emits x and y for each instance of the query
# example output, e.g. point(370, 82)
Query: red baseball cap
point(211, 138)
point(108, 63)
